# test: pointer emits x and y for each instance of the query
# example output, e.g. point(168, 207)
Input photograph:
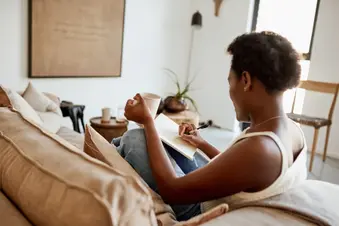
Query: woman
point(265, 160)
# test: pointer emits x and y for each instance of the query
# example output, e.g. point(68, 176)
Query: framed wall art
point(75, 38)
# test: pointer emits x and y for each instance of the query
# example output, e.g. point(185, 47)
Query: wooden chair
point(317, 123)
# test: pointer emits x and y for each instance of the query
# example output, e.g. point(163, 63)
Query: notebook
point(168, 131)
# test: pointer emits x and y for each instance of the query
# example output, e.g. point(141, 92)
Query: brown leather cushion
point(54, 183)
point(9, 214)
point(309, 120)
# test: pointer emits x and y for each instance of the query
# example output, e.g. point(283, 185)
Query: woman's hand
point(189, 134)
point(136, 110)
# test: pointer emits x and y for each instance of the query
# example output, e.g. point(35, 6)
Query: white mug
point(106, 114)
point(152, 101)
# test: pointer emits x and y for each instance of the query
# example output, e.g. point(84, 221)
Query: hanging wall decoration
point(75, 38)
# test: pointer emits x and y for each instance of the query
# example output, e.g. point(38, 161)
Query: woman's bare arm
point(209, 150)
point(249, 164)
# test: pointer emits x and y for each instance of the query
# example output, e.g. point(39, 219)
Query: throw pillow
point(51, 121)
point(39, 101)
point(98, 147)
point(8, 98)
point(54, 183)
point(53, 98)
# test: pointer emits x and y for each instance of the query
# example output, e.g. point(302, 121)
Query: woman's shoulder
point(263, 146)
point(259, 156)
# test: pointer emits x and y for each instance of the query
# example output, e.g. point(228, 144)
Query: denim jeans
point(132, 147)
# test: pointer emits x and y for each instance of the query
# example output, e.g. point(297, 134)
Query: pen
point(200, 127)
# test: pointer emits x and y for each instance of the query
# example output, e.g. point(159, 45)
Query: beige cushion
point(51, 121)
point(39, 101)
point(53, 98)
point(72, 137)
point(53, 183)
point(257, 216)
point(10, 215)
point(98, 147)
point(8, 98)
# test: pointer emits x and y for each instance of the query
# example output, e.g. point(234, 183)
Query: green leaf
point(188, 86)
point(192, 101)
point(186, 90)
point(175, 80)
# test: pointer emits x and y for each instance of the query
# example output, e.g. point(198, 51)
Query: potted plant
point(178, 102)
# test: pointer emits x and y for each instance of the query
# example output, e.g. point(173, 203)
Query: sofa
point(105, 190)
point(56, 123)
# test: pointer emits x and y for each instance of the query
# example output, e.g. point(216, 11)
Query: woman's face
point(238, 96)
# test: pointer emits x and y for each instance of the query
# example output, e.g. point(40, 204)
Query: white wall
point(210, 60)
point(324, 67)
point(156, 36)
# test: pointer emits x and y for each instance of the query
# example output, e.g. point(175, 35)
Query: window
point(295, 20)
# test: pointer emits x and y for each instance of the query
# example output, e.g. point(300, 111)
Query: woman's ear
point(246, 80)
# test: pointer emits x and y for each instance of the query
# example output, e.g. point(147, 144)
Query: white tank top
point(292, 173)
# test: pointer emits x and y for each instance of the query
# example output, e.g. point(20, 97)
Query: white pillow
point(51, 121)
point(39, 101)
point(20, 105)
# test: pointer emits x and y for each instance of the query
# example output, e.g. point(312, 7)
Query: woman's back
point(291, 169)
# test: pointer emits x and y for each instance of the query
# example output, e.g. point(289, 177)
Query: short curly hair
point(267, 56)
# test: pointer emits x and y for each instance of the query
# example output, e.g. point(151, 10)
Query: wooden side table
point(109, 130)
point(184, 117)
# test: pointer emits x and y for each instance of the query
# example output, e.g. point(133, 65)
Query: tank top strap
point(287, 156)
point(301, 132)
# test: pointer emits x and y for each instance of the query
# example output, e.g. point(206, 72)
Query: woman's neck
point(266, 109)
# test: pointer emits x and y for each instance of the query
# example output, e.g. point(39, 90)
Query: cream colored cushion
point(98, 147)
point(257, 216)
point(39, 101)
point(8, 98)
point(10, 215)
point(51, 121)
point(72, 137)
point(53, 98)
point(53, 183)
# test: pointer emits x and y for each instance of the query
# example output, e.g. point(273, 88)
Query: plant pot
point(175, 105)
point(161, 107)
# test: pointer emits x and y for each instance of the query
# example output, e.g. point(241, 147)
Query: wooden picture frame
point(75, 38)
